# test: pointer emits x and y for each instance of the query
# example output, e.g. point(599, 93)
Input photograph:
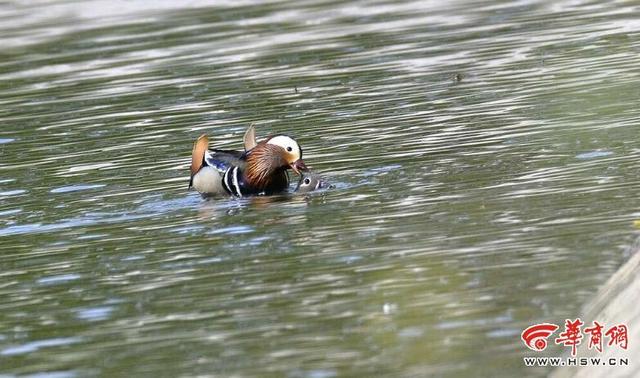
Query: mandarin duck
point(259, 170)
point(309, 181)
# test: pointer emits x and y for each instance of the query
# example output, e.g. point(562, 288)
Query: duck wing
point(223, 159)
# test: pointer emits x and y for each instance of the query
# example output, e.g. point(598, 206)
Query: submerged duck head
point(310, 181)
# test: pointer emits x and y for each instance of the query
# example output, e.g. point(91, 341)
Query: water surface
point(484, 156)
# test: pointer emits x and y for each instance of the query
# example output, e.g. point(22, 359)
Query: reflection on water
point(483, 159)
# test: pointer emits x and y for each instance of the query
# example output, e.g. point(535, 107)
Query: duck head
point(290, 151)
point(293, 152)
point(310, 181)
point(272, 155)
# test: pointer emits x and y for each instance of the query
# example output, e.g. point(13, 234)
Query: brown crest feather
point(200, 146)
point(263, 163)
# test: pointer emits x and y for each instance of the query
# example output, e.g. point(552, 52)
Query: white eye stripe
point(287, 143)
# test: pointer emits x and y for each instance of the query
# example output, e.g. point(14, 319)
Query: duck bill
point(298, 166)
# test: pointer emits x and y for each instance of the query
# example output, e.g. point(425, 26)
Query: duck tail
point(200, 147)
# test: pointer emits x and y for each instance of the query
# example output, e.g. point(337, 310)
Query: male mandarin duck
point(260, 170)
point(309, 181)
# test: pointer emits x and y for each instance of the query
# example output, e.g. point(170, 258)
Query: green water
point(484, 157)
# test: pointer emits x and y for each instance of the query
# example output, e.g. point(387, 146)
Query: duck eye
point(307, 181)
point(289, 149)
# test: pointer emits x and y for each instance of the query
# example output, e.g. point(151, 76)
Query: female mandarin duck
point(309, 181)
point(260, 170)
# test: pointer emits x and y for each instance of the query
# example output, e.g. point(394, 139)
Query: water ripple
point(484, 161)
